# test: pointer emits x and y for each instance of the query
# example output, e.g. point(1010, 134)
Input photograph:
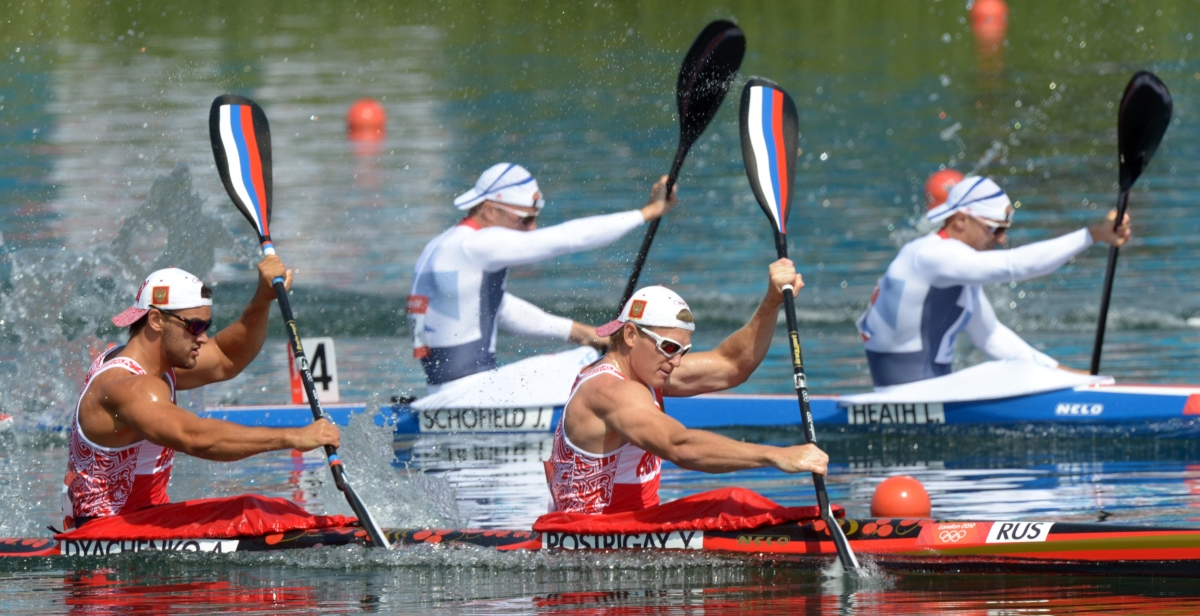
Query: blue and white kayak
point(990, 393)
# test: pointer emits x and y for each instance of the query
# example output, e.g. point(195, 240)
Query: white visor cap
point(508, 183)
point(975, 195)
point(169, 289)
point(655, 306)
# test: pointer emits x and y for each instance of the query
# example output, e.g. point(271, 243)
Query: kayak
point(994, 392)
point(902, 545)
point(1090, 404)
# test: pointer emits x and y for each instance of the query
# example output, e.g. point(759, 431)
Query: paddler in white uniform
point(934, 288)
point(458, 298)
point(614, 434)
point(127, 427)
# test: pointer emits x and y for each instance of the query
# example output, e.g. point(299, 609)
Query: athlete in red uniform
point(614, 434)
point(127, 427)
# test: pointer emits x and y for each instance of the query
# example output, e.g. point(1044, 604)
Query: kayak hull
point(905, 545)
point(1091, 405)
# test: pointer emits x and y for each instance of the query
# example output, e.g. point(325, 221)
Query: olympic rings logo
point(951, 536)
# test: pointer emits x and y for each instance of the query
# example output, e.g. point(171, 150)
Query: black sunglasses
point(194, 327)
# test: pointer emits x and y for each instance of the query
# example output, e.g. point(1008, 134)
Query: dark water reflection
point(154, 586)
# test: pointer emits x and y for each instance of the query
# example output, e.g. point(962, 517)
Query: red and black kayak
point(912, 545)
point(731, 522)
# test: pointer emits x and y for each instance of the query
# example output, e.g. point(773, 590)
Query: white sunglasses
point(526, 218)
point(666, 346)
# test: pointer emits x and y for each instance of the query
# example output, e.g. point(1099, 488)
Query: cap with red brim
point(655, 306)
point(168, 289)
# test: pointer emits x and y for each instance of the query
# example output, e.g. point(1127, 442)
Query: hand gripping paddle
point(769, 138)
point(707, 72)
point(1142, 121)
point(241, 142)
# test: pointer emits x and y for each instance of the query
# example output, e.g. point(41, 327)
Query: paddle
point(769, 137)
point(1142, 120)
point(707, 72)
point(241, 142)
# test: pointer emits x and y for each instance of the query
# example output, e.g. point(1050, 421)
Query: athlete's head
point(174, 309)
point(653, 332)
point(977, 212)
point(505, 195)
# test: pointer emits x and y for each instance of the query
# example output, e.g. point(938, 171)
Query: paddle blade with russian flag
point(241, 141)
point(769, 138)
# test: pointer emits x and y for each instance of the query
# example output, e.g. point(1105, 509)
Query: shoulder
point(119, 387)
point(933, 249)
point(605, 393)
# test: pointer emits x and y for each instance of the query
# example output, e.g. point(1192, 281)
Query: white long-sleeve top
point(934, 289)
point(458, 296)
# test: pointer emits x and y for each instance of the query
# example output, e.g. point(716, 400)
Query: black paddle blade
point(1143, 119)
point(241, 142)
point(769, 137)
point(707, 72)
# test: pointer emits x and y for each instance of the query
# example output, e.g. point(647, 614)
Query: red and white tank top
point(584, 482)
point(103, 481)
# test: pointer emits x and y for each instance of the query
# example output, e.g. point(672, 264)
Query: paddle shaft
point(1109, 272)
point(631, 286)
point(314, 403)
point(800, 382)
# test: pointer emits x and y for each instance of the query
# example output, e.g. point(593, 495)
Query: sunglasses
point(997, 227)
point(666, 346)
point(526, 219)
point(194, 327)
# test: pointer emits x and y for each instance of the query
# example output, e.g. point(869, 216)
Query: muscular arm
point(144, 404)
point(233, 348)
point(737, 357)
point(952, 262)
point(626, 409)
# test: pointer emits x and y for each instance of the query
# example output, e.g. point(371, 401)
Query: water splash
point(57, 302)
point(412, 501)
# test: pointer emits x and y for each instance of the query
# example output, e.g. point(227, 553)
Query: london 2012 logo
point(952, 536)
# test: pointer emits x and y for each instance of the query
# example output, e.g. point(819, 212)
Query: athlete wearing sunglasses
point(127, 426)
point(459, 298)
point(933, 290)
point(613, 436)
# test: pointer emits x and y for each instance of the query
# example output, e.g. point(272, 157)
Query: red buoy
point(366, 120)
point(989, 21)
point(938, 186)
point(900, 497)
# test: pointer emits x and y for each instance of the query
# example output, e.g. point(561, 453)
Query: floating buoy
point(938, 186)
point(366, 120)
point(989, 21)
point(900, 497)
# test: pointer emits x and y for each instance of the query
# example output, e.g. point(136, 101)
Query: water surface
point(107, 173)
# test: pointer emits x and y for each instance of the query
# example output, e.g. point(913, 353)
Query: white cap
point(975, 195)
point(169, 289)
point(652, 307)
point(508, 183)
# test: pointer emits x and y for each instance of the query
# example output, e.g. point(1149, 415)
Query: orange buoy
point(989, 21)
point(900, 497)
point(938, 186)
point(366, 120)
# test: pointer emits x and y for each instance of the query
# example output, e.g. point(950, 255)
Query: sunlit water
point(107, 173)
